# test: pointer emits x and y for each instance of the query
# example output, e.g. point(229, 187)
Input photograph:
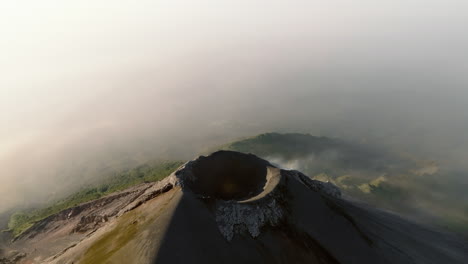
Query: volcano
point(231, 207)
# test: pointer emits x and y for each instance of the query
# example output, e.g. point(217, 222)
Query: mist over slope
point(414, 186)
point(90, 88)
point(429, 191)
point(231, 207)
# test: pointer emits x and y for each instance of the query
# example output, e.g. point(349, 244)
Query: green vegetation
point(21, 221)
point(286, 145)
point(410, 186)
point(107, 245)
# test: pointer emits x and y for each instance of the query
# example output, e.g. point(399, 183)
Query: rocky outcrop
point(230, 207)
point(249, 192)
point(58, 233)
point(240, 218)
point(90, 222)
point(13, 257)
point(326, 188)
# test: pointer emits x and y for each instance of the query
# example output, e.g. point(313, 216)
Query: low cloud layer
point(89, 88)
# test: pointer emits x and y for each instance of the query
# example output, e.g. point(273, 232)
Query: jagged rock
point(249, 201)
point(230, 207)
point(90, 222)
point(234, 218)
point(13, 258)
point(327, 188)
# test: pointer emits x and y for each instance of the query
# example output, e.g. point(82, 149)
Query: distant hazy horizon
point(89, 82)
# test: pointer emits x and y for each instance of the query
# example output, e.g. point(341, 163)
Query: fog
point(93, 86)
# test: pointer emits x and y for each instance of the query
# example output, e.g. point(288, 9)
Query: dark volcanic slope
point(236, 208)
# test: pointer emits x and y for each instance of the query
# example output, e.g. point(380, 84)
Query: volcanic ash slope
point(231, 207)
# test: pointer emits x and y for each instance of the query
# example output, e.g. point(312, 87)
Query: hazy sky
point(83, 80)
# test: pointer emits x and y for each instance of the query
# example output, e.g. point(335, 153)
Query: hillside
point(22, 220)
point(415, 187)
point(231, 207)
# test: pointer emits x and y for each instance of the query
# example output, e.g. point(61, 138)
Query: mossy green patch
point(103, 249)
point(129, 228)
